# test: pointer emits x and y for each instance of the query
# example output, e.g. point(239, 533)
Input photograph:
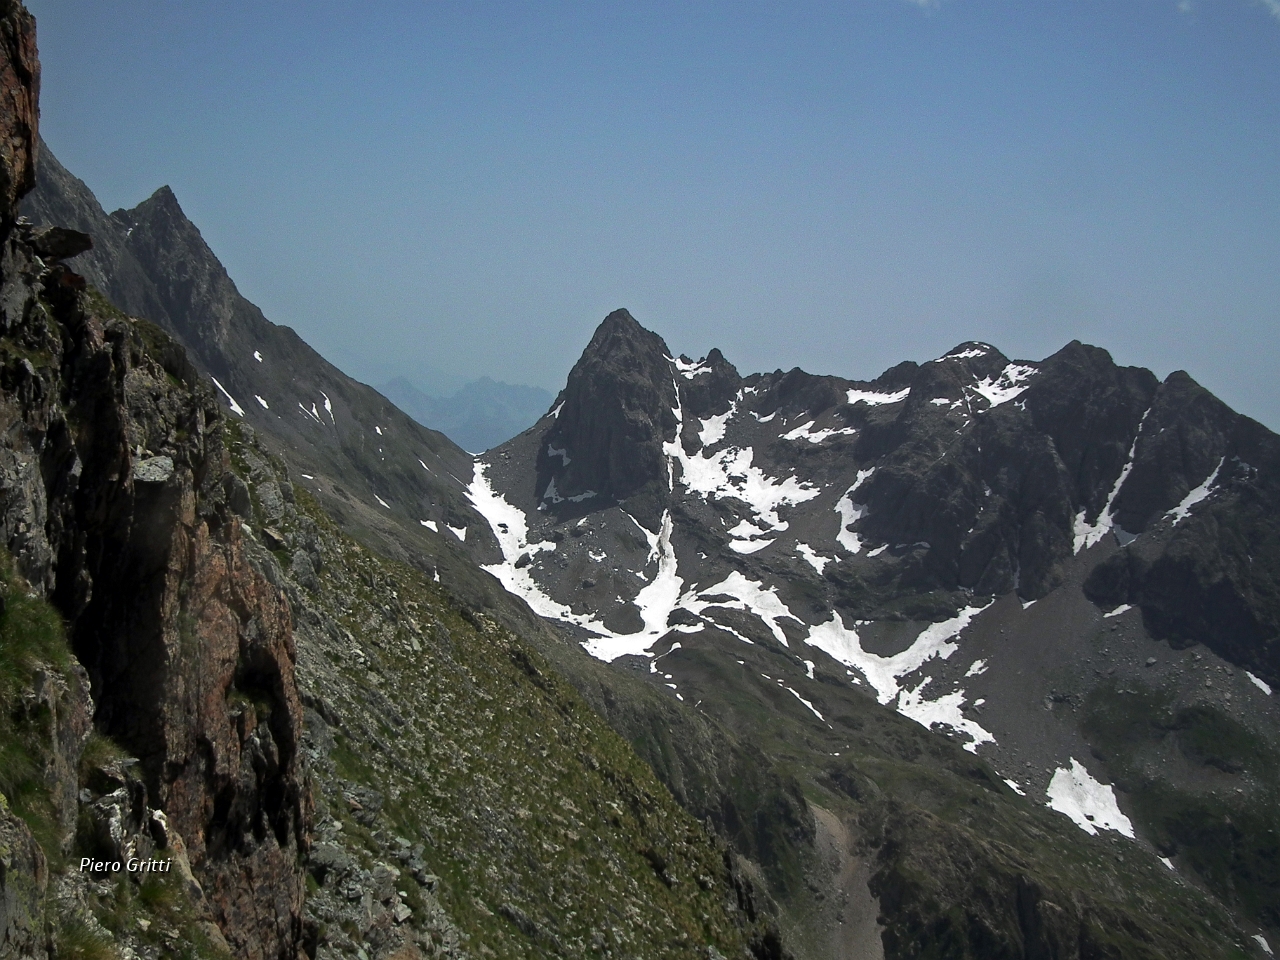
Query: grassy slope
point(436, 725)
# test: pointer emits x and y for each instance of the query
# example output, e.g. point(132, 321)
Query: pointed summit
point(619, 407)
point(619, 339)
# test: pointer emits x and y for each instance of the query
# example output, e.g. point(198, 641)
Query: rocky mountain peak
point(616, 411)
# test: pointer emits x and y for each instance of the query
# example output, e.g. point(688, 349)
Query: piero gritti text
point(132, 865)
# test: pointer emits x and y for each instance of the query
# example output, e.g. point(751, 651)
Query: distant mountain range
point(480, 415)
point(975, 659)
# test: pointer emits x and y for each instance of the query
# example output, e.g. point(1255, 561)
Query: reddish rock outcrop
point(19, 104)
point(112, 478)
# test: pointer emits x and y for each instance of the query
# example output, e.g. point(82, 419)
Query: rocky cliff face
point(19, 103)
point(114, 505)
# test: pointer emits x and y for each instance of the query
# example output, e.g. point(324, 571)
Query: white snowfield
point(806, 432)
point(980, 350)
point(730, 473)
point(712, 430)
point(812, 557)
point(1091, 805)
point(1260, 684)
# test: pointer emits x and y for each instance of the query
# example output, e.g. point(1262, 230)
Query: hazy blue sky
point(468, 188)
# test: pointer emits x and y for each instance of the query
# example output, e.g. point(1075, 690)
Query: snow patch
point(461, 532)
point(257, 356)
point(806, 432)
point(808, 666)
point(1007, 386)
point(977, 668)
point(884, 673)
point(965, 354)
point(328, 407)
point(381, 501)
point(235, 407)
point(874, 399)
point(430, 525)
point(730, 473)
point(712, 430)
point(510, 528)
point(1013, 785)
point(690, 368)
point(1090, 804)
point(1260, 684)
point(261, 401)
point(1167, 862)
point(947, 710)
point(1261, 941)
point(1183, 510)
point(750, 596)
point(811, 707)
point(556, 411)
point(811, 557)
point(850, 512)
point(798, 432)
point(1123, 608)
point(655, 602)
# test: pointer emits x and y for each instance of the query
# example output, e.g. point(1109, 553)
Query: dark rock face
point(615, 413)
point(147, 566)
point(1212, 576)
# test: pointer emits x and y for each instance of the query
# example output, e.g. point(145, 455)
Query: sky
point(444, 190)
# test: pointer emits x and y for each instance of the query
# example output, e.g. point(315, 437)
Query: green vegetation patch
point(1227, 826)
